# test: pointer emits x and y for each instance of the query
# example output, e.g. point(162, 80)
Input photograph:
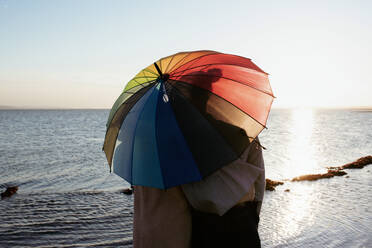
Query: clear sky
point(80, 54)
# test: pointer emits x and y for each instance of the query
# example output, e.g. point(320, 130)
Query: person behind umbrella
point(162, 218)
point(178, 121)
point(226, 204)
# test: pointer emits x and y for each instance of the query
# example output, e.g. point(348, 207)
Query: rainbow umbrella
point(185, 116)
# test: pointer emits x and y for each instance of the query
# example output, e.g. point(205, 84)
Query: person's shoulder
point(255, 153)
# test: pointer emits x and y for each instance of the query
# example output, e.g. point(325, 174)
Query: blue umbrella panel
point(150, 149)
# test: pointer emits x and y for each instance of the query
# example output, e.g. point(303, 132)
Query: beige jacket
point(161, 218)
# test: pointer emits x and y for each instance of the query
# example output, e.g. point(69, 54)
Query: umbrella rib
point(210, 52)
point(148, 70)
point(214, 53)
point(144, 77)
point(138, 84)
point(135, 130)
point(159, 61)
point(187, 54)
point(262, 91)
point(128, 101)
point(206, 65)
point(177, 81)
point(183, 96)
point(147, 77)
point(173, 68)
point(166, 69)
point(161, 69)
point(130, 92)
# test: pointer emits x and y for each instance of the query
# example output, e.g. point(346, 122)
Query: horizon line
point(7, 107)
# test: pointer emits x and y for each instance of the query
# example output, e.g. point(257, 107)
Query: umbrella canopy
point(185, 116)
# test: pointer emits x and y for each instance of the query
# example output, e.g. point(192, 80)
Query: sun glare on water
point(301, 150)
point(296, 210)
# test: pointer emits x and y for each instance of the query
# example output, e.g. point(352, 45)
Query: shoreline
point(352, 108)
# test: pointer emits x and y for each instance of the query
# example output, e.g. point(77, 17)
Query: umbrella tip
point(158, 69)
point(163, 77)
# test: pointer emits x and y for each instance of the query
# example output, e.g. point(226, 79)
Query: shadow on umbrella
point(199, 96)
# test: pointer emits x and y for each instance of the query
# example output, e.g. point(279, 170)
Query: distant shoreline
point(361, 109)
point(328, 108)
point(25, 108)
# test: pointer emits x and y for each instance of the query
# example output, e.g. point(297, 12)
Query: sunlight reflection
point(296, 209)
point(301, 151)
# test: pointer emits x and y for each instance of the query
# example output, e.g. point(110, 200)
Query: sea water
point(68, 198)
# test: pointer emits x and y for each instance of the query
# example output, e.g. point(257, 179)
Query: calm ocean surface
point(68, 198)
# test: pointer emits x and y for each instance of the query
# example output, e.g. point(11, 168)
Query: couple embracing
point(222, 210)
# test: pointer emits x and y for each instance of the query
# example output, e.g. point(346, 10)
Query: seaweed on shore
point(358, 164)
point(332, 172)
point(271, 184)
point(312, 177)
